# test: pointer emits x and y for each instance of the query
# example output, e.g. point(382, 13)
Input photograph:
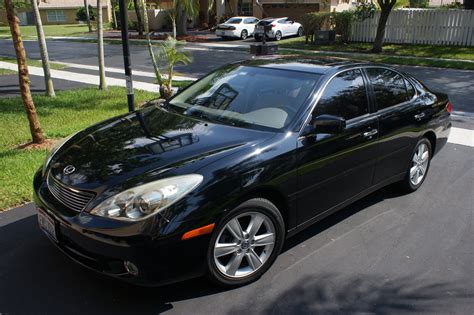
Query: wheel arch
point(431, 136)
point(273, 195)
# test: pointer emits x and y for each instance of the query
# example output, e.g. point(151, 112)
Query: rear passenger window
point(345, 96)
point(410, 90)
point(389, 87)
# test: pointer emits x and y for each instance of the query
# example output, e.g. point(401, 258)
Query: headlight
point(53, 151)
point(143, 201)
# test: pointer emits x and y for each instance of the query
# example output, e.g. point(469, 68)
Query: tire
point(245, 261)
point(244, 35)
point(300, 32)
point(278, 35)
point(418, 168)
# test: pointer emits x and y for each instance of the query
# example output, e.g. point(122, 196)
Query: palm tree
point(136, 5)
point(170, 52)
point(43, 51)
point(100, 42)
point(179, 13)
point(23, 74)
point(147, 34)
point(88, 17)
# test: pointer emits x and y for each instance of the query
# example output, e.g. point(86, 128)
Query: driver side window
point(345, 96)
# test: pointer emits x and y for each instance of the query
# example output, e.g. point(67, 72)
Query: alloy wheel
point(278, 35)
point(244, 34)
point(239, 251)
point(419, 164)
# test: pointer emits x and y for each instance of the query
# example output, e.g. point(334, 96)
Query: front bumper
point(160, 259)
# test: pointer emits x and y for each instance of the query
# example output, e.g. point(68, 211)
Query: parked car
point(237, 27)
point(281, 27)
point(214, 180)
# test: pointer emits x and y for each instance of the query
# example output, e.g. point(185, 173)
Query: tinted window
point(389, 87)
point(250, 21)
point(234, 21)
point(410, 90)
point(345, 96)
point(250, 97)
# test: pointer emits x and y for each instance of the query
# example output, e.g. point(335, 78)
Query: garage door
point(293, 11)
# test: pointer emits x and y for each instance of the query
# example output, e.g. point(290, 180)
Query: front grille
point(74, 199)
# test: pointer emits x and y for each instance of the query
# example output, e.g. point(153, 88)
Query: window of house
point(56, 16)
point(389, 87)
point(345, 96)
point(245, 8)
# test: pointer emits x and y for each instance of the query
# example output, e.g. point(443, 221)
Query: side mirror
point(328, 124)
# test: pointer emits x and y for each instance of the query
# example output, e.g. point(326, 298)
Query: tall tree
point(136, 5)
point(88, 17)
point(386, 7)
point(185, 9)
point(114, 14)
point(48, 82)
point(23, 74)
point(148, 39)
point(100, 44)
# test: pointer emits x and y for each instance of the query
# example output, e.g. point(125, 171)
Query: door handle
point(370, 134)
point(420, 116)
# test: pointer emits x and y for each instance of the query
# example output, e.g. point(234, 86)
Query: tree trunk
point(48, 82)
point(139, 17)
point(100, 44)
point(158, 75)
point(114, 15)
point(378, 42)
point(23, 74)
point(173, 22)
point(182, 22)
point(88, 17)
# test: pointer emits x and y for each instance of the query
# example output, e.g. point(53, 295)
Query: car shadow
point(36, 278)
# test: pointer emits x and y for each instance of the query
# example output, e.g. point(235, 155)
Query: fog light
point(131, 268)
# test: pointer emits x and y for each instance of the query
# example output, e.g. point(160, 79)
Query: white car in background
point(281, 27)
point(237, 27)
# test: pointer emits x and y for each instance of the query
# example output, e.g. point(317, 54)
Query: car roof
point(320, 65)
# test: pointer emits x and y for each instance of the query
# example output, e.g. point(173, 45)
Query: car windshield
point(245, 96)
point(234, 21)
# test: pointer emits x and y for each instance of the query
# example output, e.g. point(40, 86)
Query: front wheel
point(419, 165)
point(246, 243)
point(244, 34)
point(300, 32)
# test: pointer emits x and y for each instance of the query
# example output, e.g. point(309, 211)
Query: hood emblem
point(69, 170)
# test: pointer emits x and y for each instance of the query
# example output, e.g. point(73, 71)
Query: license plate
point(47, 224)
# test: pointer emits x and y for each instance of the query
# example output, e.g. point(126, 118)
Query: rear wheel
point(244, 34)
point(419, 165)
point(278, 35)
point(246, 243)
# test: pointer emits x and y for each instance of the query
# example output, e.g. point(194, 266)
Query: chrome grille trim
point(72, 198)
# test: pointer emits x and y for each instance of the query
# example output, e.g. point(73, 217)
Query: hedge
point(338, 21)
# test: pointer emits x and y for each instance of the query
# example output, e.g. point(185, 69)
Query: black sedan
point(214, 180)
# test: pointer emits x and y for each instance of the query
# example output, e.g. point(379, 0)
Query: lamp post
point(126, 55)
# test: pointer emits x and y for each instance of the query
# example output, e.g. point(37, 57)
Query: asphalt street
point(386, 254)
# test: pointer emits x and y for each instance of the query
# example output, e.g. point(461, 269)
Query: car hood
point(129, 148)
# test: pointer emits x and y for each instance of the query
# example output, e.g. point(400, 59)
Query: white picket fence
point(420, 26)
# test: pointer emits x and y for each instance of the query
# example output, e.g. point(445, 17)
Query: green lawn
point(70, 111)
point(6, 72)
point(449, 52)
point(29, 31)
point(387, 59)
point(34, 63)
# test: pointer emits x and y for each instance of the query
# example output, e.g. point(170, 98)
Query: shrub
point(82, 16)
point(313, 22)
point(342, 24)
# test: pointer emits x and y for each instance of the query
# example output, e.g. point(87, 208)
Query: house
point(58, 12)
point(293, 9)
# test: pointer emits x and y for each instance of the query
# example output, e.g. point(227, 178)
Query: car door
point(292, 28)
point(399, 113)
point(283, 26)
point(333, 168)
point(250, 25)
